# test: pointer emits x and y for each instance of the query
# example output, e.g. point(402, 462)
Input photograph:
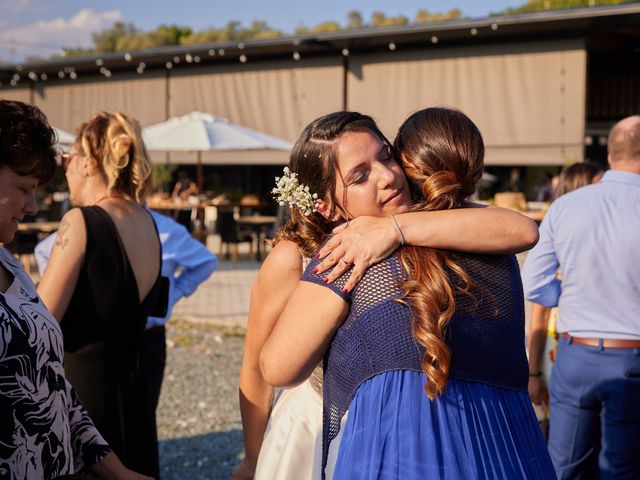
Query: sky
point(43, 27)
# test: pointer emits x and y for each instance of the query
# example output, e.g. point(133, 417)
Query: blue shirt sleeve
point(539, 275)
point(336, 286)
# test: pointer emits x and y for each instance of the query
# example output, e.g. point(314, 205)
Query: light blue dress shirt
point(185, 261)
point(592, 235)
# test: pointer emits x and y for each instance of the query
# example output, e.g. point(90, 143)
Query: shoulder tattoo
point(62, 240)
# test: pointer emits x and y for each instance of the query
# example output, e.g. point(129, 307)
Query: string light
point(434, 39)
point(494, 26)
point(345, 52)
point(99, 62)
point(32, 76)
point(44, 77)
point(176, 59)
point(392, 46)
point(61, 74)
point(221, 52)
point(474, 31)
point(212, 52)
point(241, 46)
point(128, 57)
point(196, 59)
point(73, 75)
point(296, 56)
point(243, 59)
point(169, 65)
point(188, 58)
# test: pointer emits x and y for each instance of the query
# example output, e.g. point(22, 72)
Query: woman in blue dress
point(426, 353)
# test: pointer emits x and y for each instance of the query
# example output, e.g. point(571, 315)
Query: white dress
point(292, 445)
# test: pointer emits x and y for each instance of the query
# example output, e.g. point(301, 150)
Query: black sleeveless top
point(105, 305)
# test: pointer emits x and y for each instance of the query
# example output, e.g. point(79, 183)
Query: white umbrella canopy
point(200, 132)
point(64, 138)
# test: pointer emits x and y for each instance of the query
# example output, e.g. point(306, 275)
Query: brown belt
point(606, 342)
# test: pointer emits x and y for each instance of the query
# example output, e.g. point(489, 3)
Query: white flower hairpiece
point(289, 190)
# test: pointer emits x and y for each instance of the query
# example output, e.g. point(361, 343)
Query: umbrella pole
point(199, 173)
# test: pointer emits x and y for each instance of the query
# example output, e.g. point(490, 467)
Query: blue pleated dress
point(482, 427)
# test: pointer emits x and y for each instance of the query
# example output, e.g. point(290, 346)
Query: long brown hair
point(442, 153)
point(113, 142)
point(575, 176)
point(313, 159)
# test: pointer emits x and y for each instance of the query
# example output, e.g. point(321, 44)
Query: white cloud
point(60, 32)
point(15, 6)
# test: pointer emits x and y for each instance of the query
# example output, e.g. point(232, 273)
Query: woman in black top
point(103, 279)
point(45, 432)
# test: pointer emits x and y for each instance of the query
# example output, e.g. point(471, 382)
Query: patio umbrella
point(201, 132)
point(64, 138)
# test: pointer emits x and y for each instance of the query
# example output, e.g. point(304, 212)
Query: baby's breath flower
point(290, 191)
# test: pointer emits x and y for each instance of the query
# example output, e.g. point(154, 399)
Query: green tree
point(354, 19)
point(425, 16)
point(106, 40)
point(541, 5)
point(324, 27)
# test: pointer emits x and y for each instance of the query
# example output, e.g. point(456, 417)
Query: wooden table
point(536, 215)
point(260, 225)
point(39, 227)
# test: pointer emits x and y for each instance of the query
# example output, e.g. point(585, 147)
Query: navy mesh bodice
point(486, 333)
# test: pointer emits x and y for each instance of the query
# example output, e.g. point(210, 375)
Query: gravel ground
point(199, 425)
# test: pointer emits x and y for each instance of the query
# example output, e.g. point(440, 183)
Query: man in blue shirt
point(592, 238)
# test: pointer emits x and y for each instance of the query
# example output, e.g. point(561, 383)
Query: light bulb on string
point(296, 56)
point(434, 39)
point(392, 46)
point(243, 59)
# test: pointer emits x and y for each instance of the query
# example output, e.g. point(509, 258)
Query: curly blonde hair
point(442, 153)
point(113, 142)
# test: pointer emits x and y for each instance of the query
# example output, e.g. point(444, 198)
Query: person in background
point(571, 178)
point(184, 186)
point(545, 189)
point(45, 432)
point(186, 262)
point(591, 236)
point(103, 281)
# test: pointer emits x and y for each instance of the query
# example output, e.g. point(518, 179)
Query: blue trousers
point(594, 431)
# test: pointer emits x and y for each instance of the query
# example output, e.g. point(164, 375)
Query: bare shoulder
point(71, 226)
point(284, 255)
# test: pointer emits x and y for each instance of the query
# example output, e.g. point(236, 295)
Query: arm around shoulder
point(475, 229)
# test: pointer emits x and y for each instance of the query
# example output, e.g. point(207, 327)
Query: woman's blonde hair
point(442, 152)
point(113, 142)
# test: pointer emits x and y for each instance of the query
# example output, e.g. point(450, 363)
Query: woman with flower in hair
point(291, 448)
point(425, 374)
point(103, 280)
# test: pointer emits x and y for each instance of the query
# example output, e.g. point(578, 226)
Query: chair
point(227, 228)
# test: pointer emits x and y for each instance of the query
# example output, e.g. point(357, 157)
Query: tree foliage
point(122, 37)
point(542, 5)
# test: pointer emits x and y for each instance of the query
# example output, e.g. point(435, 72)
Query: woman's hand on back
point(356, 245)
